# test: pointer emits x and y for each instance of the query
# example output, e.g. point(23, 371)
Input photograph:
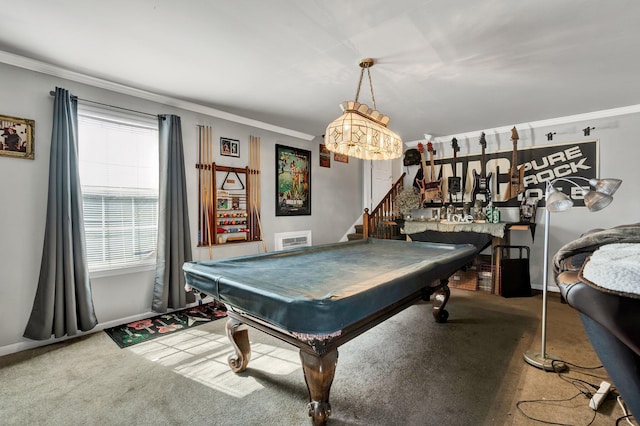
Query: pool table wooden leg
point(440, 299)
point(318, 373)
point(238, 334)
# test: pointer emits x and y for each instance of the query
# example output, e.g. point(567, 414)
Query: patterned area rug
point(143, 330)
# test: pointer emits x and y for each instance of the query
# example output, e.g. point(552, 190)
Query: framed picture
point(222, 199)
point(230, 147)
point(16, 137)
point(293, 181)
point(341, 158)
point(325, 156)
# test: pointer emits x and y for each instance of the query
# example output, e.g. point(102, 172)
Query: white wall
point(619, 141)
point(336, 200)
point(336, 195)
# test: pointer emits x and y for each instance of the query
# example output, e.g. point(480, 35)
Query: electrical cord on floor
point(581, 367)
point(542, 401)
point(583, 387)
point(627, 415)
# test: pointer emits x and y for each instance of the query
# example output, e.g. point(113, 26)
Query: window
point(118, 164)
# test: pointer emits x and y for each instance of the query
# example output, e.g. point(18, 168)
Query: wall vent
point(290, 240)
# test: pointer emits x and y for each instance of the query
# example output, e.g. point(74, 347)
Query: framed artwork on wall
point(16, 137)
point(230, 147)
point(293, 181)
point(325, 156)
point(341, 158)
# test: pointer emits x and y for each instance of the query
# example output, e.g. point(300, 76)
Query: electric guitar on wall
point(482, 181)
point(453, 182)
point(432, 190)
point(516, 175)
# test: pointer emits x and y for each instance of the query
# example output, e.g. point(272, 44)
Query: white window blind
point(118, 163)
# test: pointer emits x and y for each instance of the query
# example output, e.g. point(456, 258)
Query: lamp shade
point(596, 200)
point(362, 133)
point(606, 186)
point(557, 201)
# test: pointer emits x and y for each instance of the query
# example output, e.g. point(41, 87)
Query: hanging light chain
point(373, 98)
point(366, 64)
point(360, 83)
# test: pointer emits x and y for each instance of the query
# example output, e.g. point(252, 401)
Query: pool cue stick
point(199, 180)
point(256, 216)
point(252, 166)
point(252, 196)
point(210, 217)
point(205, 189)
point(256, 204)
point(200, 189)
point(258, 199)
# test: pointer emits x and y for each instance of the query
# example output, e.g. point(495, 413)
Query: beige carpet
point(408, 370)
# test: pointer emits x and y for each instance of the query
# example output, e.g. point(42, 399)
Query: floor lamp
point(556, 201)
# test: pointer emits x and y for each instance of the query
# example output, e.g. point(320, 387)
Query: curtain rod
point(52, 93)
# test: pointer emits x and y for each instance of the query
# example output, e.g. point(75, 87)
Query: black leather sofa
point(611, 321)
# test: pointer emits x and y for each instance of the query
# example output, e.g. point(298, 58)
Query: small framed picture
point(16, 137)
point(325, 156)
point(222, 198)
point(341, 158)
point(230, 147)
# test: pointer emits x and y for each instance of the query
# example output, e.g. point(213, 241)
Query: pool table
point(319, 297)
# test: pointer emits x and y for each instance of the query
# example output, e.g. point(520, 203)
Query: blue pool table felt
point(323, 289)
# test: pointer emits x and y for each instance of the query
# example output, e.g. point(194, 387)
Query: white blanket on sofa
point(614, 268)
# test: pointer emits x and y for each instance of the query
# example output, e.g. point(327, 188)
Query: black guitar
point(453, 182)
point(482, 181)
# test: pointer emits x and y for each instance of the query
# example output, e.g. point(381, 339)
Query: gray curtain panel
point(174, 241)
point(63, 304)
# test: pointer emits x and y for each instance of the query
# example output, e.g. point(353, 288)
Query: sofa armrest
point(618, 314)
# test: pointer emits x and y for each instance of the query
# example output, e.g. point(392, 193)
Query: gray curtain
point(63, 304)
point(174, 241)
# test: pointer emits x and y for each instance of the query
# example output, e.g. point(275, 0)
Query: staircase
point(358, 235)
point(384, 221)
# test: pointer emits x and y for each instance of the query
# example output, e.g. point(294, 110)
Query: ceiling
point(442, 67)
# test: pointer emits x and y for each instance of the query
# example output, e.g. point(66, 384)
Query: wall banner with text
point(541, 165)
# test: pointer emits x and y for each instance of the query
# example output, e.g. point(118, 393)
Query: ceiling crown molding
point(613, 112)
point(55, 71)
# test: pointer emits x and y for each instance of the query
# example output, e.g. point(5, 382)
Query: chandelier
point(361, 132)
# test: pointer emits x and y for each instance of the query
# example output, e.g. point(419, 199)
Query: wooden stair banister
point(379, 223)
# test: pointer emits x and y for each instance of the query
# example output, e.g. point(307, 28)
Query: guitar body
point(482, 180)
point(516, 183)
point(433, 191)
point(454, 185)
point(481, 185)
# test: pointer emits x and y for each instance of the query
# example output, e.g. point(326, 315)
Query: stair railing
point(380, 223)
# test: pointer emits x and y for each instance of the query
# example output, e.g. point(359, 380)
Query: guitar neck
point(514, 159)
point(455, 159)
point(514, 156)
point(433, 174)
point(423, 163)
